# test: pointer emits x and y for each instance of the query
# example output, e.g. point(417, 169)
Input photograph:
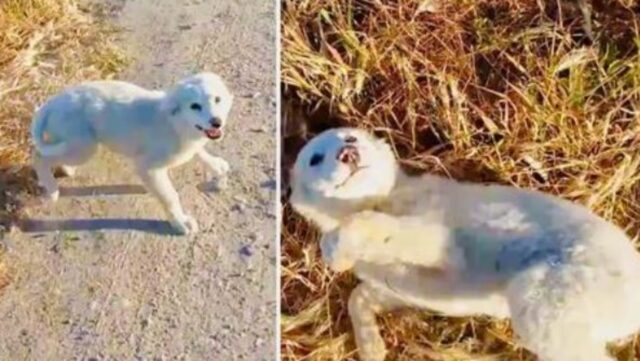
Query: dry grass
point(44, 46)
point(507, 91)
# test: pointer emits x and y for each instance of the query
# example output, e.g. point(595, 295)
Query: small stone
point(246, 251)
point(220, 183)
point(238, 207)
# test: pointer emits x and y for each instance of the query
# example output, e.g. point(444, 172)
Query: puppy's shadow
point(213, 186)
point(109, 190)
point(105, 224)
point(101, 224)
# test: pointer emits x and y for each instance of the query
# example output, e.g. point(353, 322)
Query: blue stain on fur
point(507, 254)
point(481, 250)
point(553, 248)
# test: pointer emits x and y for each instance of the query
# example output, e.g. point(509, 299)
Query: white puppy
point(568, 279)
point(156, 129)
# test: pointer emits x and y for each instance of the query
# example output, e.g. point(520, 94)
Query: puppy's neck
point(328, 219)
point(329, 213)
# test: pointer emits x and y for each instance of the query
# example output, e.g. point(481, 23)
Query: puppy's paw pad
point(64, 171)
point(185, 225)
point(192, 223)
point(374, 350)
point(220, 183)
point(68, 171)
point(329, 246)
point(220, 166)
point(373, 356)
point(52, 196)
point(364, 219)
point(337, 259)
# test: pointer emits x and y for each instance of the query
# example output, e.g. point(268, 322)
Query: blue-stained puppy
point(568, 279)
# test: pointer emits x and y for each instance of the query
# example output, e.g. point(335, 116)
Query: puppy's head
point(339, 170)
point(200, 105)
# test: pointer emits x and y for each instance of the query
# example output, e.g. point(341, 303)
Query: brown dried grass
point(44, 46)
point(507, 91)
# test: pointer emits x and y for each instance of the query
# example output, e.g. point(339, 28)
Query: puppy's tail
point(44, 145)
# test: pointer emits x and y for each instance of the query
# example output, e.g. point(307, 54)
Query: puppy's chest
point(184, 153)
point(477, 248)
point(404, 203)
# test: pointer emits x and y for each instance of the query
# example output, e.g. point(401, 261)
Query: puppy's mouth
point(353, 172)
point(211, 133)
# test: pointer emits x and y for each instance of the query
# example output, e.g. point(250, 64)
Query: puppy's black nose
point(348, 154)
point(215, 122)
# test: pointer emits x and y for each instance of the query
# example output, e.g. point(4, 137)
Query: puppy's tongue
point(213, 133)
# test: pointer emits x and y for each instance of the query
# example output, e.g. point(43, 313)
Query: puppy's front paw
point(333, 254)
point(52, 196)
point(68, 171)
point(49, 191)
point(372, 349)
point(220, 183)
point(219, 166)
point(185, 225)
point(363, 221)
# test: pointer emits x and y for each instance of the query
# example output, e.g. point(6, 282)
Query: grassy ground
point(535, 94)
point(44, 46)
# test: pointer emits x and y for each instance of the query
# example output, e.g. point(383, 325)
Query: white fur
point(157, 130)
point(568, 279)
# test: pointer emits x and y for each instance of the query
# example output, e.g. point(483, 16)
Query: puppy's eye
point(216, 100)
point(197, 107)
point(316, 159)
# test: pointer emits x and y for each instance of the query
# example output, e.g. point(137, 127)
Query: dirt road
point(98, 276)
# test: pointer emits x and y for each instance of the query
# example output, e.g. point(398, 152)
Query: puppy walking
point(157, 130)
point(567, 278)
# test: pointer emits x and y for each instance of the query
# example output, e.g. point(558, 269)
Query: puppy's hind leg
point(364, 304)
point(68, 170)
point(76, 153)
point(556, 315)
point(44, 171)
point(158, 183)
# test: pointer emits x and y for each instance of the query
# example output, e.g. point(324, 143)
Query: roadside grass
point(506, 91)
point(45, 45)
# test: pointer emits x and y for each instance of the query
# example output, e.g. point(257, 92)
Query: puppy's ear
point(381, 143)
point(170, 104)
point(385, 147)
point(296, 190)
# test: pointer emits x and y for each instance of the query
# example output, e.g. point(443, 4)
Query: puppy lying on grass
point(158, 130)
point(567, 278)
